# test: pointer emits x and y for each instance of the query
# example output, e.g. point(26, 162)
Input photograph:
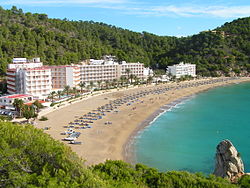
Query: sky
point(161, 17)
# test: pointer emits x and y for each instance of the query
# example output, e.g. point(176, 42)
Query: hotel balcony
point(11, 87)
point(11, 73)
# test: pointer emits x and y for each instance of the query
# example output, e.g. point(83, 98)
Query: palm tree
point(131, 76)
point(74, 91)
point(59, 94)
point(107, 84)
point(150, 79)
point(123, 79)
point(52, 95)
point(115, 83)
point(67, 88)
point(91, 84)
point(37, 105)
point(82, 85)
point(128, 72)
point(137, 80)
point(99, 84)
point(18, 104)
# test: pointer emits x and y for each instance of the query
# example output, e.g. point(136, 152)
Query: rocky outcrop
point(228, 161)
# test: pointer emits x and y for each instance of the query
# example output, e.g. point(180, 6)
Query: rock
point(228, 161)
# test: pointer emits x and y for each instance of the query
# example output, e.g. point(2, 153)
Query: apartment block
point(136, 69)
point(28, 77)
point(33, 78)
point(98, 70)
point(108, 69)
point(182, 69)
point(65, 75)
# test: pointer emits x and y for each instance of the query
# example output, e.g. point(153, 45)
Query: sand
point(102, 142)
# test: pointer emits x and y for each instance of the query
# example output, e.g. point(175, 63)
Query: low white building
point(6, 102)
point(182, 69)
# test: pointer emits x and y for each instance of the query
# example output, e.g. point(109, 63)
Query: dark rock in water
point(228, 161)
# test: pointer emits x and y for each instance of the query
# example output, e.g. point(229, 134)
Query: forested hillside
point(31, 158)
point(63, 42)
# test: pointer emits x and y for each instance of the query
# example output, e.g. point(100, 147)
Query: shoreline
point(129, 147)
point(103, 142)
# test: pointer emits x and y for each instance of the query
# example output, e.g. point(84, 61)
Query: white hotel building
point(182, 69)
point(108, 70)
point(31, 77)
point(98, 70)
point(28, 77)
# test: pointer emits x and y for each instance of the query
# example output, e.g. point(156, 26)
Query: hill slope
point(31, 158)
point(63, 42)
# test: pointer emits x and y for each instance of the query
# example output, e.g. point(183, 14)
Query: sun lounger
point(74, 142)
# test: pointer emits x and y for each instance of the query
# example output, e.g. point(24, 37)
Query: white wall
point(69, 76)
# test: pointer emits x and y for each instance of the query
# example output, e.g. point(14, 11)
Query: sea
point(185, 136)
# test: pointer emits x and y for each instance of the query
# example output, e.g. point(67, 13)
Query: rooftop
point(16, 96)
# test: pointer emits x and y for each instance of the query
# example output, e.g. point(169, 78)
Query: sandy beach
point(109, 141)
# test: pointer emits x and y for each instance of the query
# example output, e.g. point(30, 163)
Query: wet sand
point(102, 142)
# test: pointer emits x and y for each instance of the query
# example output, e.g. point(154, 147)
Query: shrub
point(43, 118)
point(52, 104)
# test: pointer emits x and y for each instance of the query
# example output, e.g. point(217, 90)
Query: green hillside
point(63, 42)
point(31, 158)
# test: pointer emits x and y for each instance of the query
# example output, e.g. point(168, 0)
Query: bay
point(185, 138)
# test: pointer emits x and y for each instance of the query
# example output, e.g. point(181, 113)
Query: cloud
point(134, 7)
point(195, 11)
point(53, 2)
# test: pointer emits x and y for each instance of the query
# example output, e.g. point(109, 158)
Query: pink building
point(65, 75)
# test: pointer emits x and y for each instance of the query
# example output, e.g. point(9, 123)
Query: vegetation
point(224, 51)
point(5, 118)
point(29, 112)
point(43, 118)
point(31, 158)
point(18, 104)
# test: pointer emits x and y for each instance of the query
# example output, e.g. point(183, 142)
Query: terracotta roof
point(16, 96)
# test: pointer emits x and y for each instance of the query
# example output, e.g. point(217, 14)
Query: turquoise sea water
point(185, 138)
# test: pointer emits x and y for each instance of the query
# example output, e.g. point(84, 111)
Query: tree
point(91, 84)
point(66, 89)
point(29, 112)
point(137, 80)
point(115, 83)
point(37, 105)
point(18, 104)
point(52, 95)
point(82, 85)
point(59, 94)
point(74, 91)
point(131, 77)
point(99, 82)
point(149, 80)
point(127, 71)
point(123, 80)
point(106, 84)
